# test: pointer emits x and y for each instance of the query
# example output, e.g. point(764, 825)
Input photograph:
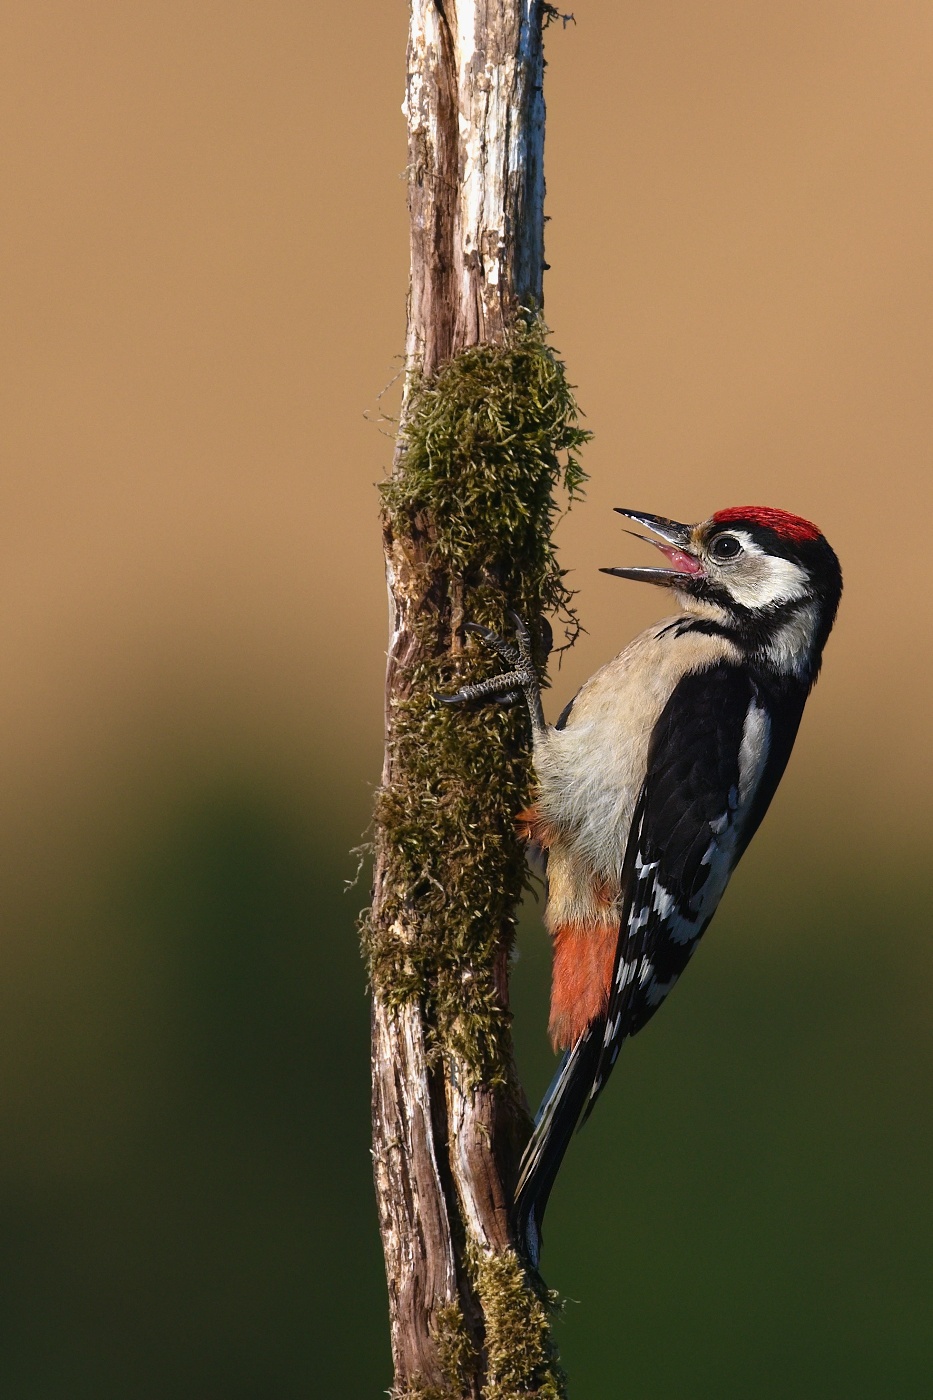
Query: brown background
point(204, 249)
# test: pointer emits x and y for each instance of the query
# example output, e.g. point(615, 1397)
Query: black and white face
point(737, 564)
point(768, 578)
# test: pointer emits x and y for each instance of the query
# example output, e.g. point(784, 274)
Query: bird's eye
point(726, 547)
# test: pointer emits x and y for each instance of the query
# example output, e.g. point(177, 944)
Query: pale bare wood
point(475, 109)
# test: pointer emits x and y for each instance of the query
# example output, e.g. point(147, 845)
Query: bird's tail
point(557, 1117)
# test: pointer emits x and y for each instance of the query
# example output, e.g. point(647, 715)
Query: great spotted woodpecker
point(652, 783)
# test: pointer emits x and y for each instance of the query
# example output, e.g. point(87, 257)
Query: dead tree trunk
point(488, 431)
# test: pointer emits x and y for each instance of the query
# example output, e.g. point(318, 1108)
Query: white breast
point(591, 772)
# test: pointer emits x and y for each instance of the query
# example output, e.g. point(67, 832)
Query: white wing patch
point(647, 970)
point(726, 829)
point(682, 928)
point(753, 753)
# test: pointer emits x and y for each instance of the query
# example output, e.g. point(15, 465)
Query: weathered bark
point(416, 1236)
point(475, 109)
point(447, 1142)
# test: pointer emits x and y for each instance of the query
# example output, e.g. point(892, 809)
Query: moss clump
point(521, 1359)
point(428, 1392)
point(487, 444)
point(458, 1359)
point(456, 870)
point(455, 1349)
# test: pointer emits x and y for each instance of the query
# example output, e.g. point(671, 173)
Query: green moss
point(455, 1349)
point(428, 1392)
point(487, 445)
point(521, 1359)
point(456, 862)
point(457, 1357)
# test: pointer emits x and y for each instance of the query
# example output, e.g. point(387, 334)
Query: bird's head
point(767, 577)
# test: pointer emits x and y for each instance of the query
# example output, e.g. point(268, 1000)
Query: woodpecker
point(652, 783)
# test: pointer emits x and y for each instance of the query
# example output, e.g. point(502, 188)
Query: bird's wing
point(714, 761)
point(710, 751)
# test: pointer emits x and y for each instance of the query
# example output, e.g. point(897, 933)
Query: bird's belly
point(597, 799)
point(591, 772)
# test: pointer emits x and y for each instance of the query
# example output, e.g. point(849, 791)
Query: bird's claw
point(468, 692)
point(521, 680)
point(492, 639)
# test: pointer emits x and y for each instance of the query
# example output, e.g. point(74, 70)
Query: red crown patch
point(789, 527)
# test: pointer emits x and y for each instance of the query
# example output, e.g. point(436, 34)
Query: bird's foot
point(506, 689)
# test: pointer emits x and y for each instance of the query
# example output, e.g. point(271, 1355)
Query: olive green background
point(203, 246)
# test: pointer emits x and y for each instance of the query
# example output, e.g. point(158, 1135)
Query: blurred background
point(204, 254)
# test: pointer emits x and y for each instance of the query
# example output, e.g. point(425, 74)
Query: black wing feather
point(684, 841)
point(690, 802)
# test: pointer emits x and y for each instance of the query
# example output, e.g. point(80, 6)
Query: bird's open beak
point(674, 542)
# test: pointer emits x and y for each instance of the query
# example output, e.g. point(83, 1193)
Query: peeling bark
point(475, 109)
